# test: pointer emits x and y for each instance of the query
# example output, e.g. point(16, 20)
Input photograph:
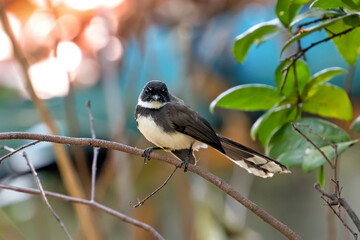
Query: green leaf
point(270, 121)
point(291, 158)
point(289, 147)
point(321, 177)
point(255, 35)
point(326, 74)
point(286, 10)
point(323, 76)
point(248, 97)
point(315, 28)
point(355, 126)
point(301, 1)
point(347, 44)
point(328, 100)
point(312, 13)
point(289, 86)
point(326, 4)
point(313, 158)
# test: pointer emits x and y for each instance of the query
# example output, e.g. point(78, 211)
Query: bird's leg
point(187, 159)
point(147, 151)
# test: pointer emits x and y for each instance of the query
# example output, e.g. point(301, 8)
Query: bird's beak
point(156, 98)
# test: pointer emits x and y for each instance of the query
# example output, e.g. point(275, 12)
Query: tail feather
point(254, 162)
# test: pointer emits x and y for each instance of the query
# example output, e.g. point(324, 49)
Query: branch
point(300, 26)
point(301, 52)
point(220, 183)
point(340, 218)
point(156, 190)
point(17, 150)
point(350, 212)
point(312, 143)
point(336, 196)
point(90, 203)
point(96, 152)
point(38, 182)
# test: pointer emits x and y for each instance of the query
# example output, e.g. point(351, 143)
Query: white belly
point(157, 136)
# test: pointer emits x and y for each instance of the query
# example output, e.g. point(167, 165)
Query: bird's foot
point(187, 159)
point(146, 154)
point(186, 163)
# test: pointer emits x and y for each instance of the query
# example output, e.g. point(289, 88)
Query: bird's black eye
point(164, 90)
point(147, 90)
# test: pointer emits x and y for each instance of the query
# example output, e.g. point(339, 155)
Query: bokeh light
point(44, 4)
point(83, 5)
point(49, 78)
point(68, 26)
point(40, 25)
point(114, 50)
point(88, 72)
point(97, 33)
point(15, 25)
point(69, 55)
point(6, 48)
point(5, 43)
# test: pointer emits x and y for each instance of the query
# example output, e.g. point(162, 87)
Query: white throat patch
point(151, 105)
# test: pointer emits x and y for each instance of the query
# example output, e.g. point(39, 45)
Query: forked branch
point(333, 199)
point(220, 183)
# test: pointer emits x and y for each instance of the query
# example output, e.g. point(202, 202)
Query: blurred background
point(105, 51)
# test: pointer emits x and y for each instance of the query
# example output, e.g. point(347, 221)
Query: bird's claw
point(186, 163)
point(146, 154)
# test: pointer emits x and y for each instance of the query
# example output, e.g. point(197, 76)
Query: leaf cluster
point(296, 90)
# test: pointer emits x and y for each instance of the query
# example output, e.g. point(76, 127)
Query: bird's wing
point(189, 122)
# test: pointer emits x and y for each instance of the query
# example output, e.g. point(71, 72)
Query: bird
point(171, 125)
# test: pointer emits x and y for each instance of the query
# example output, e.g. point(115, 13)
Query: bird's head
point(154, 95)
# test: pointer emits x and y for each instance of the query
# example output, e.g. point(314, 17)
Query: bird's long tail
point(254, 162)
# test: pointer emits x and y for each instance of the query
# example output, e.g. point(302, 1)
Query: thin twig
point(336, 181)
point(300, 53)
point(312, 143)
point(336, 196)
point(221, 184)
point(340, 218)
point(300, 26)
point(96, 152)
point(350, 212)
point(16, 150)
point(42, 193)
point(285, 71)
point(156, 190)
point(332, 197)
point(296, 82)
point(92, 204)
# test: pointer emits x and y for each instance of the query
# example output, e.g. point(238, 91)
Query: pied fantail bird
point(170, 124)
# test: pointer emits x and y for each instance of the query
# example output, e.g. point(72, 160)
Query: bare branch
point(350, 212)
point(227, 188)
point(17, 150)
point(340, 218)
point(301, 52)
point(300, 26)
point(92, 204)
point(333, 198)
point(156, 190)
point(312, 143)
point(96, 152)
point(42, 193)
